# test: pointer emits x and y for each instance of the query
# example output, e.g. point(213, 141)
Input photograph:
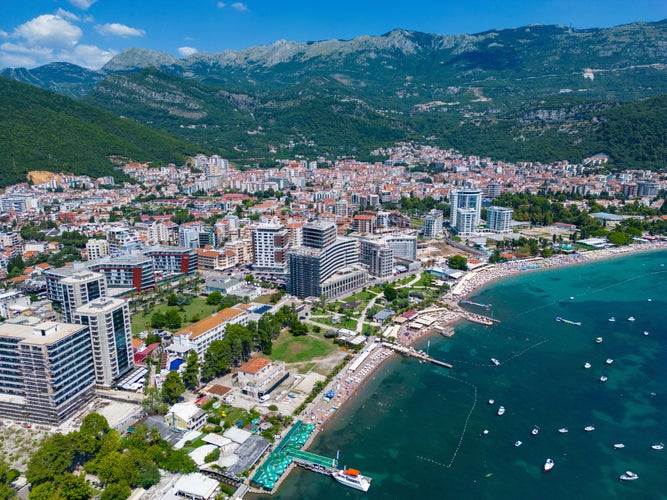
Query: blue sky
point(90, 32)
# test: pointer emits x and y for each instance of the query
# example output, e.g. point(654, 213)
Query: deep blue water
point(417, 429)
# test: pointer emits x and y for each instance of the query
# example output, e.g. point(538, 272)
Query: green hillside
point(42, 130)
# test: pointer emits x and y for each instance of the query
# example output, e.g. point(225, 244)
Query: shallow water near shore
point(418, 429)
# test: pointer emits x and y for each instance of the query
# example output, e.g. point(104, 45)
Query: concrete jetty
point(409, 351)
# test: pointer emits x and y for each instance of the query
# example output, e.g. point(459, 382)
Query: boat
point(603, 378)
point(619, 446)
point(352, 478)
point(548, 465)
point(628, 476)
point(571, 298)
point(535, 430)
point(563, 430)
point(631, 318)
point(501, 410)
point(609, 361)
point(518, 443)
point(587, 365)
point(485, 431)
point(491, 401)
point(658, 446)
point(612, 319)
point(649, 300)
point(495, 361)
point(589, 428)
point(598, 340)
point(645, 333)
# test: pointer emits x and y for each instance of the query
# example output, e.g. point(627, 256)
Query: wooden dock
point(409, 351)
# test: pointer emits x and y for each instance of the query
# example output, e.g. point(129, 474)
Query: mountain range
point(536, 93)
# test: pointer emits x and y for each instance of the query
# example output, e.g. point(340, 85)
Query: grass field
point(304, 348)
point(142, 319)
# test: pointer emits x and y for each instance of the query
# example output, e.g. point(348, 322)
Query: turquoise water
point(417, 429)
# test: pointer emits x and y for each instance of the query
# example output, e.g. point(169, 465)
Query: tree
point(191, 373)
point(458, 262)
point(217, 360)
point(53, 458)
point(390, 293)
point(172, 300)
point(214, 298)
point(158, 320)
point(116, 491)
point(173, 319)
point(172, 387)
point(298, 328)
point(153, 403)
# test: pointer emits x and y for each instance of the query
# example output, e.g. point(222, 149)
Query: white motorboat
point(658, 446)
point(619, 446)
point(548, 465)
point(491, 401)
point(352, 478)
point(495, 361)
point(589, 428)
point(631, 318)
point(587, 365)
point(518, 443)
point(612, 319)
point(563, 430)
point(501, 410)
point(603, 378)
point(571, 298)
point(645, 333)
point(628, 476)
point(598, 340)
point(535, 430)
point(609, 361)
point(485, 431)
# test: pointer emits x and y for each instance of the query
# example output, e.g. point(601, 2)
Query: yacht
point(491, 401)
point(612, 319)
point(535, 430)
point(352, 478)
point(589, 428)
point(645, 333)
point(501, 410)
point(628, 476)
point(495, 361)
point(598, 340)
point(548, 465)
point(518, 443)
point(658, 446)
point(603, 378)
point(631, 318)
point(587, 365)
point(609, 361)
point(619, 446)
point(563, 430)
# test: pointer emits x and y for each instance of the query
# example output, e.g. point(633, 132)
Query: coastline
point(345, 384)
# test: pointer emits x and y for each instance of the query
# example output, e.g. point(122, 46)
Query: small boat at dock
point(352, 478)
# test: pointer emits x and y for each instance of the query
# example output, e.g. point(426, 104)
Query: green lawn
point(142, 319)
point(304, 348)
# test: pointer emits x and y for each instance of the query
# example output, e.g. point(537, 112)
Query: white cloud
point(91, 56)
point(49, 31)
point(117, 29)
point(82, 4)
point(240, 6)
point(66, 14)
point(3, 34)
point(222, 5)
point(19, 55)
point(187, 51)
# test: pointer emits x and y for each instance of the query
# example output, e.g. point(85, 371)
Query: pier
point(409, 351)
point(480, 319)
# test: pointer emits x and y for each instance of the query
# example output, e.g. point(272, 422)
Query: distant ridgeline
point(536, 93)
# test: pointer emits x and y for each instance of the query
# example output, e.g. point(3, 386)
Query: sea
point(423, 431)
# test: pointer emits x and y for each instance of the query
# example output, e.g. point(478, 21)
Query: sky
point(90, 32)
